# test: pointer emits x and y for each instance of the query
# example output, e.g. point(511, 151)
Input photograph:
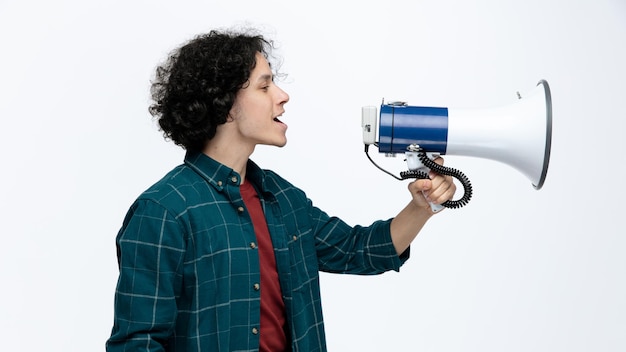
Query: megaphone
point(519, 135)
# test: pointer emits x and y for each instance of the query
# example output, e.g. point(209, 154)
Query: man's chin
point(278, 144)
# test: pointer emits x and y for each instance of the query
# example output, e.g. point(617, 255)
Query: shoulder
point(176, 190)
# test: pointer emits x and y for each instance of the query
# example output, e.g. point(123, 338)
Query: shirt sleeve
point(355, 250)
point(150, 249)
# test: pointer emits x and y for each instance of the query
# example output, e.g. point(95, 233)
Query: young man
point(220, 255)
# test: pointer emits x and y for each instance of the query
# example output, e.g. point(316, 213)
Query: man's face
point(257, 108)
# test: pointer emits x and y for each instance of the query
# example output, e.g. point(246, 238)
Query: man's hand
point(436, 190)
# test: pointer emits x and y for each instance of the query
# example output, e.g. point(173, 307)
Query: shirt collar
point(219, 175)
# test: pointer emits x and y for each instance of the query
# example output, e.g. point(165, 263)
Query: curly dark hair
point(194, 90)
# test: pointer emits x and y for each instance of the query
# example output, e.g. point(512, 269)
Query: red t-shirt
point(272, 330)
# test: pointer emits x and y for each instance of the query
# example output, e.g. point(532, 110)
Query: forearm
point(407, 224)
point(410, 221)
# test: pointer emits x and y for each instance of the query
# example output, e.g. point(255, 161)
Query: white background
point(515, 270)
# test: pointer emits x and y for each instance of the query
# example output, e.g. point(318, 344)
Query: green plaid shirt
point(189, 265)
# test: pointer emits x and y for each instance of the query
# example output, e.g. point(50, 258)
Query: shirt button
point(220, 183)
point(256, 287)
point(295, 238)
point(234, 179)
point(240, 209)
point(255, 331)
point(252, 245)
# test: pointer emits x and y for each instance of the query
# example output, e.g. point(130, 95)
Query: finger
point(439, 160)
point(443, 189)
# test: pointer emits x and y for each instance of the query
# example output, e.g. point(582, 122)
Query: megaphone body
point(518, 134)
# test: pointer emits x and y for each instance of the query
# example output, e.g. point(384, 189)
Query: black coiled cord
point(442, 170)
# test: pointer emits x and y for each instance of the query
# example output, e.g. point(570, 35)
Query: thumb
point(420, 185)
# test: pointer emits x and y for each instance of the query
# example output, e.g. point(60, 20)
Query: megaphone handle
point(415, 164)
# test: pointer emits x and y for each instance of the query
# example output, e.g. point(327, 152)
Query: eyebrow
point(266, 77)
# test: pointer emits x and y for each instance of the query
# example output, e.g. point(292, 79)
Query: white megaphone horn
point(519, 135)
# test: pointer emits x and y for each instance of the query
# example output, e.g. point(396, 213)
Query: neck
point(234, 157)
